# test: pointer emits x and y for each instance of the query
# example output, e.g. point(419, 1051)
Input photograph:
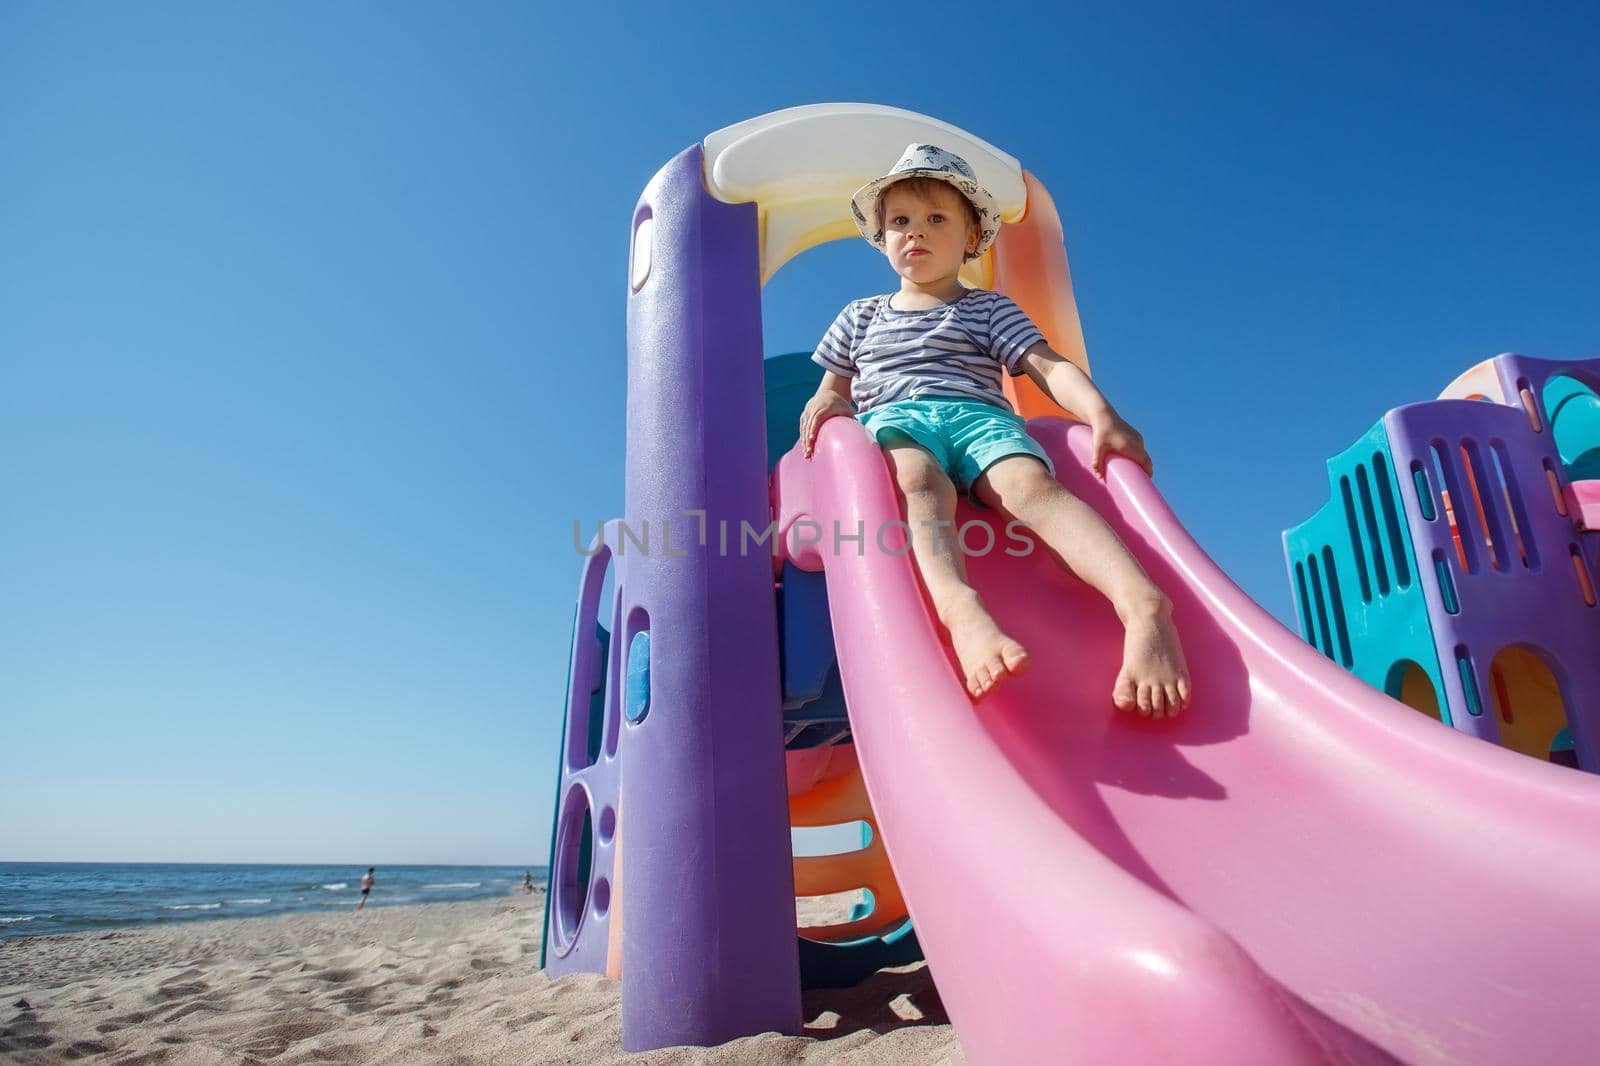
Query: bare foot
point(1155, 679)
point(986, 654)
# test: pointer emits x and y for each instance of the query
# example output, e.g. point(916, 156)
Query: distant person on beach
point(366, 887)
point(527, 881)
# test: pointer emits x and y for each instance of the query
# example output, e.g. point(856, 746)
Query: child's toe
point(1123, 694)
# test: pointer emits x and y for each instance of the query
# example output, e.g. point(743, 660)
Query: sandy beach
point(442, 982)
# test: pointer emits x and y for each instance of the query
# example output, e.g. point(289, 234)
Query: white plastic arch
point(801, 165)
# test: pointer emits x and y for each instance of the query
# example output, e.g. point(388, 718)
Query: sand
point(443, 982)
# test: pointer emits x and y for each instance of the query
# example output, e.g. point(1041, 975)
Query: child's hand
point(1112, 434)
point(820, 408)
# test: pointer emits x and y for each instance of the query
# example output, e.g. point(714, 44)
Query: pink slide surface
point(1298, 869)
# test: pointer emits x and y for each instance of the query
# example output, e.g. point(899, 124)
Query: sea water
point(43, 898)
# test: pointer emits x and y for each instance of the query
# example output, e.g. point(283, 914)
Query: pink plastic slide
point(1298, 869)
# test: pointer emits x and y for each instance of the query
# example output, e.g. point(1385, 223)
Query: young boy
point(923, 366)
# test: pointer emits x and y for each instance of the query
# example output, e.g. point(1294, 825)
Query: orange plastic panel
point(835, 802)
point(1529, 701)
point(1030, 266)
point(614, 937)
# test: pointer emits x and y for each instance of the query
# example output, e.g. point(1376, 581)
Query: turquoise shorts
point(966, 437)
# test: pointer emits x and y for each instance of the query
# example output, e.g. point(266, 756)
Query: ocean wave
point(458, 884)
point(267, 900)
point(338, 902)
point(337, 887)
point(190, 906)
point(24, 918)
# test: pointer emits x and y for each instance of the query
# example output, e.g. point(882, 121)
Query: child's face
point(926, 236)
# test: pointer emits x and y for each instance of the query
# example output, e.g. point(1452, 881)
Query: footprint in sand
point(193, 1008)
point(85, 1048)
point(273, 1040)
point(199, 988)
point(355, 1000)
point(14, 1039)
point(337, 976)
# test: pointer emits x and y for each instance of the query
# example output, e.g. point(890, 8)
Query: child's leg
point(986, 654)
point(1154, 677)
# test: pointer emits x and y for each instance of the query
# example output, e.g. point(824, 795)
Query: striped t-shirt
point(953, 351)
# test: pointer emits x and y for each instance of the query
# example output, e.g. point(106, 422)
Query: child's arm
point(832, 398)
point(1071, 388)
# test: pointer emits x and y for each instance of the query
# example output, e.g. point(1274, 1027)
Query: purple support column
point(709, 949)
point(1518, 584)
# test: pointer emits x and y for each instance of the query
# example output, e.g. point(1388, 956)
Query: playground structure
point(1457, 553)
point(1296, 870)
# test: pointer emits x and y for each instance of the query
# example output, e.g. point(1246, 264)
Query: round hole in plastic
point(569, 881)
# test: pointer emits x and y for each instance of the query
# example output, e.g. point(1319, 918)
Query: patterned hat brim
point(864, 204)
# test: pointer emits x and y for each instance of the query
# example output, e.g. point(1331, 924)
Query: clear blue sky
point(311, 330)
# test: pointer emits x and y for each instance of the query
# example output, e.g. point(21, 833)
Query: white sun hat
point(928, 161)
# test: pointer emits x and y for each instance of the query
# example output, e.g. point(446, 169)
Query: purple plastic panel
point(1518, 584)
point(1518, 372)
point(578, 913)
point(709, 950)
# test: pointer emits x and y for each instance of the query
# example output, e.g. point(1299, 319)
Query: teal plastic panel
point(1575, 423)
point(845, 965)
point(638, 687)
point(1353, 572)
point(791, 380)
